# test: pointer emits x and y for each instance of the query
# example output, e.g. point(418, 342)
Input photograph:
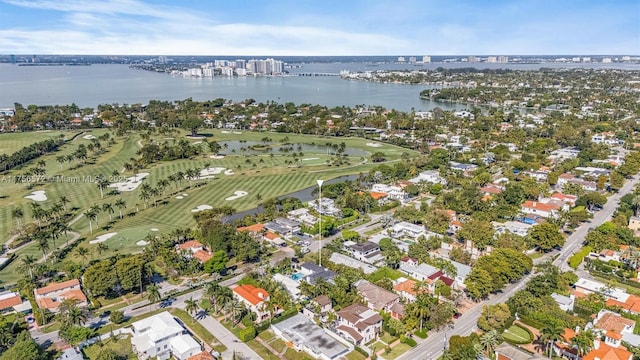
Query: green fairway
point(261, 174)
point(12, 142)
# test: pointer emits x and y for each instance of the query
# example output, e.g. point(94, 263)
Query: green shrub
point(421, 334)
point(247, 334)
point(361, 351)
point(576, 259)
point(408, 341)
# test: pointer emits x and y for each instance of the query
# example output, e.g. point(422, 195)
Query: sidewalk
point(227, 338)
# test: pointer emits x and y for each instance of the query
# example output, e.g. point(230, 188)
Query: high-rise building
point(503, 59)
point(426, 59)
point(472, 59)
point(162, 59)
point(241, 64)
point(492, 59)
point(400, 58)
point(412, 59)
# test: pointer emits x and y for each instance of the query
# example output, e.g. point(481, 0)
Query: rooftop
point(302, 331)
point(251, 293)
point(57, 286)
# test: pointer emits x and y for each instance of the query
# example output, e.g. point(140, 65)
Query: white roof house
point(162, 336)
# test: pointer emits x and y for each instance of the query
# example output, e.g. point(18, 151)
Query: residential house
point(514, 227)
point(603, 351)
point(406, 289)
point(338, 258)
point(392, 191)
point(196, 250)
point(429, 176)
point(466, 169)
point(359, 324)
point(303, 216)
point(304, 335)
point(254, 298)
point(312, 272)
point(585, 185)
point(626, 302)
point(378, 298)
point(367, 251)
point(161, 336)
point(607, 255)
point(634, 224)
point(563, 179)
point(292, 226)
point(380, 197)
point(586, 287)
point(564, 302)
point(326, 206)
point(51, 296)
point(256, 230)
point(319, 307)
point(405, 229)
point(9, 300)
point(70, 353)
point(204, 356)
point(540, 176)
point(491, 190)
point(548, 210)
point(615, 329)
point(427, 274)
point(565, 198)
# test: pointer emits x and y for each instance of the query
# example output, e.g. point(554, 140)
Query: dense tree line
point(29, 153)
point(495, 270)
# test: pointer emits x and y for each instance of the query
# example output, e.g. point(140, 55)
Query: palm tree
point(120, 204)
point(211, 291)
point(96, 209)
point(583, 342)
point(102, 248)
point(18, 214)
point(236, 309)
point(83, 252)
point(145, 196)
point(153, 293)
point(102, 183)
point(43, 245)
point(91, 215)
point(108, 208)
point(551, 332)
point(29, 262)
point(223, 297)
point(489, 340)
point(635, 204)
point(191, 306)
point(64, 201)
point(76, 316)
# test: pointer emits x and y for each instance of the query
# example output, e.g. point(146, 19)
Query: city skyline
point(281, 28)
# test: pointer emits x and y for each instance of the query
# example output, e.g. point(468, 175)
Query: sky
point(321, 27)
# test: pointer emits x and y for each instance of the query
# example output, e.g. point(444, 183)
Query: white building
point(161, 336)
point(429, 176)
point(305, 335)
point(394, 192)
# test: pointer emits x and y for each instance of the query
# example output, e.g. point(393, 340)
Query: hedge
point(409, 341)
point(576, 259)
point(531, 322)
point(285, 315)
point(361, 351)
point(247, 334)
point(515, 342)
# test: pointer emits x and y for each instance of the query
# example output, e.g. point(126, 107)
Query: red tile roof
point(271, 236)
point(57, 286)
point(539, 206)
point(10, 301)
point(49, 303)
point(201, 356)
point(251, 293)
point(606, 352)
point(377, 195)
point(190, 244)
point(255, 228)
point(632, 304)
point(202, 256)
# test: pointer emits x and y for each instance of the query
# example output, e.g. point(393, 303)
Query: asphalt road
point(433, 346)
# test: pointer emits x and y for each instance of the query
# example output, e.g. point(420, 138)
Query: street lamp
point(320, 221)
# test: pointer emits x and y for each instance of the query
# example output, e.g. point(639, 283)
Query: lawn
point(354, 355)
point(264, 353)
point(385, 272)
point(12, 142)
point(262, 176)
point(292, 354)
point(107, 329)
point(198, 329)
point(396, 351)
point(122, 347)
point(517, 334)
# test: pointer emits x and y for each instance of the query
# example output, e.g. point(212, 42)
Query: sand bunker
point(179, 197)
point(197, 137)
point(142, 243)
point(374, 144)
point(216, 156)
point(89, 137)
point(103, 238)
point(154, 229)
point(309, 159)
point(202, 208)
point(237, 195)
point(225, 132)
point(229, 172)
point(131, 184)
point(39, 195)
point(237, 132)
point(185, 194)
point(196, 142)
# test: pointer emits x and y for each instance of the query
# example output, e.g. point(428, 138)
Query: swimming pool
point(297, 276)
